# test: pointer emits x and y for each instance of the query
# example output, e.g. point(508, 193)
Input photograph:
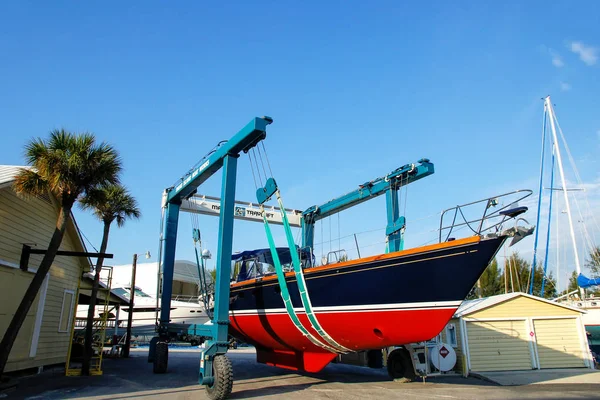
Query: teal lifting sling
point(263, 195)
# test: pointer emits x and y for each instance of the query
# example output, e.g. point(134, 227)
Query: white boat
point(183, 313)
point(185, 279)
point(145, 311)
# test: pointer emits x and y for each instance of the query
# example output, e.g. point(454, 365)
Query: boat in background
point(591, 321)
point(183, 313)
point(185, 279)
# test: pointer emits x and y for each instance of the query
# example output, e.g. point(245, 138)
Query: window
point(121, 292)
point(124, 292)
point(139, 293)
point(451, 335)
point(66, 314)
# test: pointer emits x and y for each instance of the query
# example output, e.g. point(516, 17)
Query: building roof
point(8, 172)
point(470, 306)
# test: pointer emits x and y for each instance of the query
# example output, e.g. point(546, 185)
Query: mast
point(537, 224)
point(564, 186)
point(549, 224)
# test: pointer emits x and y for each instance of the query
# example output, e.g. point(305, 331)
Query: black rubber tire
point(194, 343)
point(399, 365)
point(223, 374)
point(161, 358)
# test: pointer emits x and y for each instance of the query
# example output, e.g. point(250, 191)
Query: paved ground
point(132, 378)
point(545, 376)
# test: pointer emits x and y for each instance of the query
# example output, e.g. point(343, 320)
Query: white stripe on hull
point(359, 308)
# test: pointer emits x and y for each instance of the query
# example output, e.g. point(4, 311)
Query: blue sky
point(356, 89)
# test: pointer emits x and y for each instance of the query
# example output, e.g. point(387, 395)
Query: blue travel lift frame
point(389, 184)
point(218, 380)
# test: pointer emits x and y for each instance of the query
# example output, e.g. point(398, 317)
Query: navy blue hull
point(440, 275)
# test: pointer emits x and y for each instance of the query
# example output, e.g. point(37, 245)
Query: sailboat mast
point(549, 224)
point(564, 185)
point(537, 224)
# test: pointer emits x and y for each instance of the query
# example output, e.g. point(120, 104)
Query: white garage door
point(498, 345)
point(558, 343)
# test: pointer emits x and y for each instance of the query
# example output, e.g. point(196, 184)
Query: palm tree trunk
point(89, 328)
point(34, 287)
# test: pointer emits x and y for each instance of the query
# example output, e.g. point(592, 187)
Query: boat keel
point(297, 361)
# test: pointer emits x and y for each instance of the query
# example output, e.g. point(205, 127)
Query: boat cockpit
point(254, 264)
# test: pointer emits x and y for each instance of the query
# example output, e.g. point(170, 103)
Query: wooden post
point(130, 315)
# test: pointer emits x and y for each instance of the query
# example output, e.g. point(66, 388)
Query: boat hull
point(370, 303)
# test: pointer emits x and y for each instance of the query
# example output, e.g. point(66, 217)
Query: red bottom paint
point(279, 342)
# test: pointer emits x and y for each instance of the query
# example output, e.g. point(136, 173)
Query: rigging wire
point(575, 170)
point(587, 237)
point(339, 234)
point(329, 219)
point(322, 240)
point(252, 169)
point(267, 157)
point(574, 166)
point(88, 240)
point(262, 163)
point(257, 168)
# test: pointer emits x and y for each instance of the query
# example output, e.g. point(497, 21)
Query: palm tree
point(67, 165)
point(593, 261)
point(109, 203)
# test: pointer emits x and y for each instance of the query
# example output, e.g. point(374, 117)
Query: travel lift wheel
point(400, 365)
point(161, 358)
point(223, 375)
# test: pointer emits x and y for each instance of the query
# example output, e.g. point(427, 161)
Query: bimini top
point(258, 263)
point(264, 255)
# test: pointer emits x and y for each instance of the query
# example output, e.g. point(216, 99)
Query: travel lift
point(215, 367)
point(390, 185)
point(208, 205)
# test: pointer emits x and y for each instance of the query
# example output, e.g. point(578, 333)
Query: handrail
point(490, 203)
point(188, 298)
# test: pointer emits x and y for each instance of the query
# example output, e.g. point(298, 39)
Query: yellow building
point(516, 331)
point(44, 337)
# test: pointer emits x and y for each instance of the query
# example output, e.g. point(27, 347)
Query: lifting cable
point(203, 287)
point(203, 283)
point(332, 345)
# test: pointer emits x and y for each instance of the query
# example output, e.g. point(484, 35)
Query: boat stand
point(215, 368)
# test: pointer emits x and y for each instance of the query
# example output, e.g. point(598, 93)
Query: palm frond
point(111, 202)
point(73, 164)
point(30, 183)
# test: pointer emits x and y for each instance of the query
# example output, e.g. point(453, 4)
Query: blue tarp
point(585, 282)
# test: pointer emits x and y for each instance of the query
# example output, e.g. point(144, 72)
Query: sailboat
point(578, 298)
point(375, 302)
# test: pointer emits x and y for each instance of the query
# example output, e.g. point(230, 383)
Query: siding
point(13, 284)
point(458, 349)
point(521, 307)
point(498, 345)
point(33, 220)
point(558, 343)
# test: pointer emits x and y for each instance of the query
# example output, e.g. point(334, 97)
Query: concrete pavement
point(544, 376)
point(132, 378)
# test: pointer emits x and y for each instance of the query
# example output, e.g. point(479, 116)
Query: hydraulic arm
point(389, 184)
